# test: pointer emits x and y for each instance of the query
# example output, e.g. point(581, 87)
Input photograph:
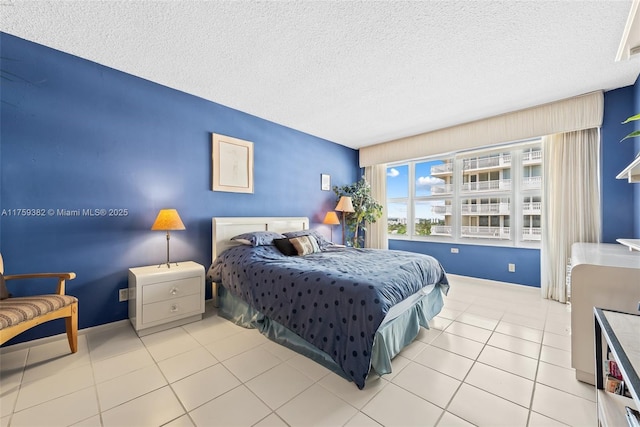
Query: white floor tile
point(239, 407)
point(477, 320)
point(236, 344)
point(428, 335)
point(448, 363)
point(539, 420)
point(185, 364)
point(204, 386)
point(511, 362)
point(564, 407)
point(530, 322)
point(501, 383)
point(122, 389)
point(428, 384)
point(169, 343)
point(450, 420)
point(396, 406)
point(251, 363)
point(122, 364)
point(182, 421)
point(58, 359)
point(272, 420)
point(349, 392)
point(398, 363)
point(310, 368)
point(555, 356)
point(516, 345)
point(520, 331)
point(361, 420)
point(487, 312)
point(279, 385)
point(316, 407)
point(152, 409)
point(471, 404)
point(112, 341)
point(62, 411)
point(55, 386)
point(564, 379)
point(459, 345)
point(468, 331)
point(563, 342)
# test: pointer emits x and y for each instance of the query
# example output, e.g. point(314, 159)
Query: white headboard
point(224, 228)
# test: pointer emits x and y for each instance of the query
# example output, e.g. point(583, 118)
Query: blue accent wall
point(636, 187)
point(78, 135)
point(619, 211)
point(486, 262)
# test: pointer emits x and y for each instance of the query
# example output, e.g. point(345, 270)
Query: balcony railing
point(486, 232)
point(445, 168)
point(532, 157)
point(442, 189)
point(532, 234)
point(441, 209)
point(441, 230)
point(532, 182)
point(487, 162)
point(532, 208)
point(486, 208)
point(498, 184)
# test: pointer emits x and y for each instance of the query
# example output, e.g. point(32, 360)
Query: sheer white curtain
point(571, 203)
point(376, 235)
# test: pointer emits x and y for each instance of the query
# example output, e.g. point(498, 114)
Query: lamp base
point(167, 264)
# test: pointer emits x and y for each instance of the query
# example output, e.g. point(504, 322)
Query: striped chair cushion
point(19, 309)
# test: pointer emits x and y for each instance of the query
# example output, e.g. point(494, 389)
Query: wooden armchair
point(17, 314)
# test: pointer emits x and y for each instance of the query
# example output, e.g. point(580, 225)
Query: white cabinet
point(620, 333)
point(605, 275)
point(162, 297)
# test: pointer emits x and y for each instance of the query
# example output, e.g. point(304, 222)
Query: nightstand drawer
point(173, 308)
point(170, 290)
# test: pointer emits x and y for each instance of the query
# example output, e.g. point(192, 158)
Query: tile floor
point(498, 354)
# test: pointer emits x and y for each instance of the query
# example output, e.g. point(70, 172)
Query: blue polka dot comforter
point(335, 299)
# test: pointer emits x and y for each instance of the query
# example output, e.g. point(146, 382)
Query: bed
point(352, 310)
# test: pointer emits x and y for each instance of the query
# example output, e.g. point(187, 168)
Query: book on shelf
point(614, 385)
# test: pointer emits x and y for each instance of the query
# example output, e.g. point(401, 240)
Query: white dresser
point(161, 298)
point(603, 275)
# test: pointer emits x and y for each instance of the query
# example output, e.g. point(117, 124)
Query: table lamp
point(168, 219)
point(331, 218)
point(344, 206)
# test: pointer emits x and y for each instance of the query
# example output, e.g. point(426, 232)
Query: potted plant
point(366, 209)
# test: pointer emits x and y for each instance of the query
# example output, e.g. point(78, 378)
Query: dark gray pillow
point(257, 238)
point(285, 246)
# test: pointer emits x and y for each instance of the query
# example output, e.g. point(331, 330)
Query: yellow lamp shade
point(331, 218)
point(168, 219)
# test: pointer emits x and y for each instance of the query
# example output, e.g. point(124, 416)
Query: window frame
point(517, 194)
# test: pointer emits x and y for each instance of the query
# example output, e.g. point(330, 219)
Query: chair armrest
point(60, 276)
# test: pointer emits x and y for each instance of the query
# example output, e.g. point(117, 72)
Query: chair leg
point(71, 323)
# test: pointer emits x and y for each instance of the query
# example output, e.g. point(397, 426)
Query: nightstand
point(161, 298)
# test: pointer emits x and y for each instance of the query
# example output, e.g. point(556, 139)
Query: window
point(471, 196)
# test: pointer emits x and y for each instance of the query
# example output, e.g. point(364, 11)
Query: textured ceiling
point(356, 73)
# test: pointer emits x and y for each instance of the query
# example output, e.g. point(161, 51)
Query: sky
point(398, 186)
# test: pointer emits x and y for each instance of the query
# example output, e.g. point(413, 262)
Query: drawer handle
point(173, 291)
point(174, 308)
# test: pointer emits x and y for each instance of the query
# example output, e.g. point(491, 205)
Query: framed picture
point(325, 182)
point(232, 164)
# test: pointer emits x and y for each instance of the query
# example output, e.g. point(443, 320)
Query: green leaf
point(632, 118)
point(631, 135)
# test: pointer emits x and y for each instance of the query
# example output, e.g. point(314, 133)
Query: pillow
point(257, 238)
point(4, 293)
point(322, 242)
point(305, 244)
point(285, 246)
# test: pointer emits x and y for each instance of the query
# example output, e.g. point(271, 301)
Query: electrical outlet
point(454, 250)
point(512, 268)
point(123, 294)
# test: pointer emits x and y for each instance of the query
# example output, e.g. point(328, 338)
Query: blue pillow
point(257, 238)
